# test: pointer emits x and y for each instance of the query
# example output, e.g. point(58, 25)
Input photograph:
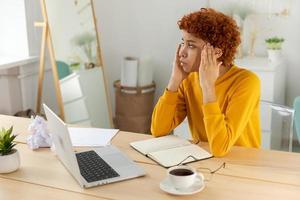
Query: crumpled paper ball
point(40, 136)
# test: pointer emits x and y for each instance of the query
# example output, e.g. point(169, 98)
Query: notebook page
point(174, 156)
point(160, 143)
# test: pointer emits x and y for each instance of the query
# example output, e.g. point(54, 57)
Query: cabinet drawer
point(70, 89)
point(76, 111)
point(266, 85)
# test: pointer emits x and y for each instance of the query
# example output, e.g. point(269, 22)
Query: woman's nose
point(182, 52)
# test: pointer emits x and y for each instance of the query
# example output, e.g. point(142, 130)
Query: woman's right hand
point(178, 75)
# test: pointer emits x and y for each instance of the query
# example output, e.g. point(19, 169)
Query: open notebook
point(170, 150)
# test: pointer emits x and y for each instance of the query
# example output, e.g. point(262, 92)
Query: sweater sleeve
point(223, 129)
point(168, 113)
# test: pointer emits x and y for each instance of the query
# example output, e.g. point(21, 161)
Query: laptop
point(94, 167)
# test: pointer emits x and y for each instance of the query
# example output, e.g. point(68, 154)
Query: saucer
point(168, 187)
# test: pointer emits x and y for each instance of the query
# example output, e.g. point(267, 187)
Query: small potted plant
point(9, 156)
point(274, 48)
point(86, 41)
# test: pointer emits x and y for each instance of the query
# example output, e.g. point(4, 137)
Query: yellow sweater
point(232, 120)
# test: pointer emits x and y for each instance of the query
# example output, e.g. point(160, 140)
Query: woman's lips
point(182, 63)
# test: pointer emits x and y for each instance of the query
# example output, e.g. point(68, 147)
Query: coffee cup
point(182, 176)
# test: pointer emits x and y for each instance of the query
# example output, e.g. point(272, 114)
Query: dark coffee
point(181, 172)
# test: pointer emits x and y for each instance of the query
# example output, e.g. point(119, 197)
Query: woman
point(220, 100)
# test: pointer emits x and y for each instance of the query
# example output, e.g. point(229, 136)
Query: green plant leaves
point(6, 141)
point(274, 42)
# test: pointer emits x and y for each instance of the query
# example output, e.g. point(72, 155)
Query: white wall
point(291, 51)
point(142, 28)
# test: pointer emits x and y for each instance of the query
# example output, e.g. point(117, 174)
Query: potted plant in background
point(9, 156)
point(274, 48)
point(86, 41)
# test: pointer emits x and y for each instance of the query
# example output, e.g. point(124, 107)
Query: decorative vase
point(10, 163)
point(274, 55)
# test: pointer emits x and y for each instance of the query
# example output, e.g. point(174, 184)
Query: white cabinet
point(271, 75)
point(84, 98)
point(10, 91)
point(272, 79)
point(18, 84)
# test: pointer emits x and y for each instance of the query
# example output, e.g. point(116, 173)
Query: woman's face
point(190, 52)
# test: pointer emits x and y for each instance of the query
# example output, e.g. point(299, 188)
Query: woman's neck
point(223, 70)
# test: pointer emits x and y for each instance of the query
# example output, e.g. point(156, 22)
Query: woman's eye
point(191, 46)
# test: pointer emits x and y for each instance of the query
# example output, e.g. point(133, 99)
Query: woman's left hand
point(208, 73)
point(209, 67)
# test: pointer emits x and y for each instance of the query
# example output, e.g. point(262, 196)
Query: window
point(13, 29)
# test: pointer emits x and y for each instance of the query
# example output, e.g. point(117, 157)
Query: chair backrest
point(277, 126)
point(63, 69)
point(297, 116)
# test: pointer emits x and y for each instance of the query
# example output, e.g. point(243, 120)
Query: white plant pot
point(274, 55)
point(10, 163)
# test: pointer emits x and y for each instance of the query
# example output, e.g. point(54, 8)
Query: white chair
point(277, 125)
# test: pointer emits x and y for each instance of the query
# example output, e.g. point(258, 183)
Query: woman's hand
point(208, 73)
point(178, 75)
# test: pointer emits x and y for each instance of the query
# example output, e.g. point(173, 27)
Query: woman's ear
point(218, 52)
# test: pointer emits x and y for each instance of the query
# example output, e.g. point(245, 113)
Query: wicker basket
point(134, 106)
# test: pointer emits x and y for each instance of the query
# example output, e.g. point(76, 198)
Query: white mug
point(182, 176)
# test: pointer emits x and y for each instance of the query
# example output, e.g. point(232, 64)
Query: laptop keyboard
point(93, 168)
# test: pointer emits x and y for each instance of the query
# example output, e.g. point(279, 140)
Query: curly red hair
point(216, 28)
